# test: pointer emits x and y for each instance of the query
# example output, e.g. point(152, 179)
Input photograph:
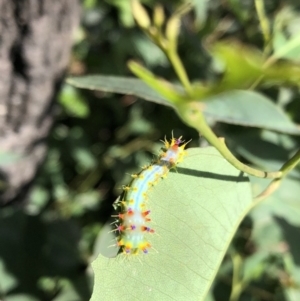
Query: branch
point(192, 115)
point(274, 185)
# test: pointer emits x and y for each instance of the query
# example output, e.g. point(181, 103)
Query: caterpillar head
point(173, 150)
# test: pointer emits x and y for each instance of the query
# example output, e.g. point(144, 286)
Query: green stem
point(237, 284)
point(179, 69)
point(291, 163)
point(264, 24)
point(171, 53)
point(274, 185)
point(195, 118)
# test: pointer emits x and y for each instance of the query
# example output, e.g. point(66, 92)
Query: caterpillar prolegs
point(133, 217)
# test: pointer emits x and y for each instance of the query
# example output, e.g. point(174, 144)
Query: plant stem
point(237, 284)
point(291, 163)
point(264, 24)
point(179, 69)
point(170, 51)
point(194, 117)
point(274, 185)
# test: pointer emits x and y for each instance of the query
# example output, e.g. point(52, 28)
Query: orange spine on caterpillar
point(132, 219)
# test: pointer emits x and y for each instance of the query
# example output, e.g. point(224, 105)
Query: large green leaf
point(244, 65)
point(195, 213)
point(117, 84)
point(249, 108)
point(241, 107)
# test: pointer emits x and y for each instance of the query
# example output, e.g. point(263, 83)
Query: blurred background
point(49, 237)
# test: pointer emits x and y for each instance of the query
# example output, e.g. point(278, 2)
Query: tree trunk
point(35, 43)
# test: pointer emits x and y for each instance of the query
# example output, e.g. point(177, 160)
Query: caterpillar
point(133, 217)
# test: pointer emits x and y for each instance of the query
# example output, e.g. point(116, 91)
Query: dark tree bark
point(35, 44)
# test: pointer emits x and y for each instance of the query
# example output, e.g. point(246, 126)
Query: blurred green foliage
point(100, 137)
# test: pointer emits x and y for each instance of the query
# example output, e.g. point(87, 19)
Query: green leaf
point(201, 11)
point(253, 266)
point(73, 103)
point(84, 158)
point(284, 48)
point(8, 280)
point(245, 65)
point(151, 54)
point(286, 38)
point(242, 66)
point(248, 108)
point(195, 213)
point(117, 84)
point(240, 107)
point(38, 199)
point(125, 12)
point(292, 293)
